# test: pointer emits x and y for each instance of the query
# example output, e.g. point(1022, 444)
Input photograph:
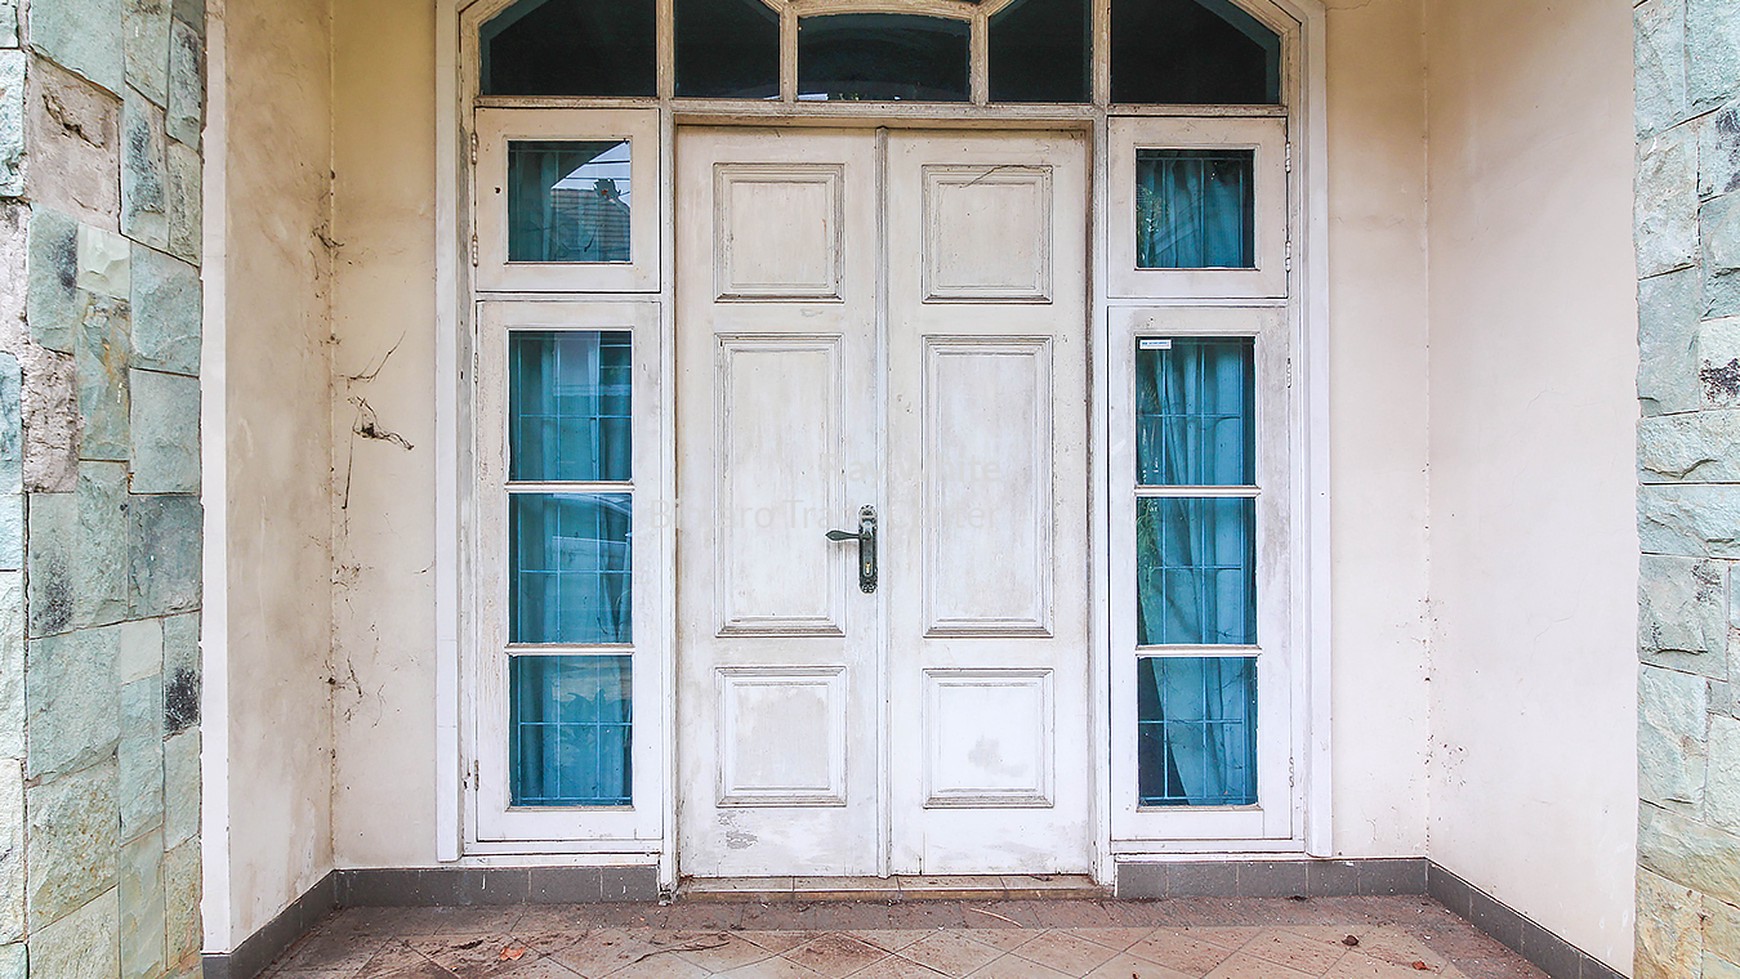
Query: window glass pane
point(1193, 52)
point(1195, 412)
point(727, 49)
point(1039, 52)
point(1195, 209)
point(570, 47)
point(568, 202)
point(569, 562)
point(571, 724)
point(569, 406)
point(1196, 577)
point(1197, 731)
point(882, 57)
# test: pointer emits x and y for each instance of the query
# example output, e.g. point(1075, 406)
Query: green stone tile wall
point(1688, 257)
point(101, 107)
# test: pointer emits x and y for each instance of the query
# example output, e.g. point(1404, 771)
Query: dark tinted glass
point(882, 57)
point(1192, 52)
point(727, 49)
point(1195, 209)
point(569, 202)
point(1039, 51)
point(570, 47)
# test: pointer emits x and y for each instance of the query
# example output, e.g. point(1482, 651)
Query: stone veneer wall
point(100, 119)
point(1688, 256)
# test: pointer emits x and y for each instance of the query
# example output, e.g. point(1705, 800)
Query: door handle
point(866, 538)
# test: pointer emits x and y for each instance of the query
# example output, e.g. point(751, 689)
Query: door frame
point(1305, 87)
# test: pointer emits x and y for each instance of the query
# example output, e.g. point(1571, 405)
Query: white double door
point(882, 331)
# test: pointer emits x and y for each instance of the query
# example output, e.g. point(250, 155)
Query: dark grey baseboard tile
point(252, 956)
point(1551, 954)
point(1271, 878)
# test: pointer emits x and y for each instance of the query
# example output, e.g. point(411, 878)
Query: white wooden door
point(885, 327)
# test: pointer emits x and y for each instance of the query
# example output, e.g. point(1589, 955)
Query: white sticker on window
point(1153, 343)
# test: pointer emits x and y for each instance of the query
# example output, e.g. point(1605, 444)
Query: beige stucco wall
point(273, 106)
point(1534, 555)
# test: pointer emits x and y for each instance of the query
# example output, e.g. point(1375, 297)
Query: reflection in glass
point(1196, 580)
point(727, 49)
point(568, 202)
point(570, 47)
point(882, 57)
point(1193, 52)
point(569, 568)
point(570, 742)
point(1039, 50)
point(1197, 731)
point(1195, 412)
point(569, 406)
point(1195, 209)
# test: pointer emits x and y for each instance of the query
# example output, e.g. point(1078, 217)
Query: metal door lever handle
point(866, 538)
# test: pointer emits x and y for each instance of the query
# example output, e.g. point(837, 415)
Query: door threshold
point(979, 887)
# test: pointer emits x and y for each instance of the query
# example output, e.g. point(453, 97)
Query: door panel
point(778, 679)
point(986, 531)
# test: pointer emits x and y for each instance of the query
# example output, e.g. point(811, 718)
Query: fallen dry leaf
point(512, 954)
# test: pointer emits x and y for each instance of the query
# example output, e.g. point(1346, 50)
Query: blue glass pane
point(569, 406)
point(571, 47)
point(727, 49)
point(1193, 52)
point(1195, 209)
point(1195, 412)
point(569, 567)
point(1196, 742)
point(570, 743)
point(1196, 579)
point(568, 201)
point(1038, 51)
point(882, 58)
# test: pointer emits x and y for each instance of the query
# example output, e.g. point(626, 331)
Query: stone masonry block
point(1660, 74)
point(166, 312)
point(144, 184)
point(1671, 745)
point(12, 870)
point(1718, 354)
point(101, 358)
point(55, 306)
point(1669, 308)
point(181, 673)
point(73, 702)
point(1695, 446)
point(51, 419)
point(141, 650)
point(1667, 928)
point(142, 913)
point(83, 35)
point(186, 209)
point(190, 13)
point(181, 788)
point(146, 45)
point(14, 961)
point(1666, 209)
point(71, 844)
point(1722, 793)
point(76, 554)
point(1692, 520)
point(14, 270)
point(186, 81)
point(165, 433)
point(1713, 51)
point(83, 945)
point(12, 532)
point(12, 664)
point(105, 263)
point(8, 23)
point(1719, 154)
point(1722, 930)
point(1683, 614)
point(12, 123)
point(181, 902)
point(1720, 220)
point(163, 562)
point(11, 425)
point(1689, 852)
point(73, 131)
point(140, 756)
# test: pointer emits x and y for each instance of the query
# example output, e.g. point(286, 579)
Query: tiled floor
point(1338, 938)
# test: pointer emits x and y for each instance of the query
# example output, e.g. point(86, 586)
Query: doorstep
point(981, 887)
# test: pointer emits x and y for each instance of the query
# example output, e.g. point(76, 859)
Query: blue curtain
point(1194, 209)
point(1198, 744)
point(569, 406)
point(571, 735)
point(572, 562)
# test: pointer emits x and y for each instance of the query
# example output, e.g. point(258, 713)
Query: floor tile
point(836, 955)
point(950, 953)
point(1242, 966)
point(1067, 953)
point(1015, 967)
point(1116, 939)
point(721, 952)
point(1308, 955)
point(1130, 967)
point(890, 938)
point(1180, 952)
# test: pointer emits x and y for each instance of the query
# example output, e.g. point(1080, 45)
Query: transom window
point(1180, 52)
